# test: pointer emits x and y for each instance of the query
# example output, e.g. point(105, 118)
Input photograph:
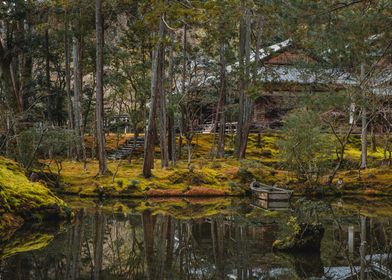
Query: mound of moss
point(193, 177)
point(25, 200)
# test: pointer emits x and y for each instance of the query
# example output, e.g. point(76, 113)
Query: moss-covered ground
point(22, 200)
point(218, 177)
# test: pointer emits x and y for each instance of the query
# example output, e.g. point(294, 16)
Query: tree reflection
point(145, 245)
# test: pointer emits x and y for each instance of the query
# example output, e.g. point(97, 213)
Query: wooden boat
point(266, 192)
point(273, 205)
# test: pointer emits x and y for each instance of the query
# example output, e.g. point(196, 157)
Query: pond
point(220, 238)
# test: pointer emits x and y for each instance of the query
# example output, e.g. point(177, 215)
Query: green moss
point(25, 243)
point(21, 197)
point(185, 209)
point(227, 175)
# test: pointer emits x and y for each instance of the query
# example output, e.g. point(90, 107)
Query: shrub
point(45, 142)
point(304, 147)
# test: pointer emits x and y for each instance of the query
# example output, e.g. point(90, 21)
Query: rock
point(305, 237)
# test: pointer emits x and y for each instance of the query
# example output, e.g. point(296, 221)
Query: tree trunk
point(163, 116)
point(99, 88)
point(183, 88)
point(68, 74)
point(180, 139)
point(80, 90)
point(343, 144)
point(47, 72)
point(99, 236)
point(219, 115)
point(241, 87)
point(156, 84)
point(373, 138)
point(76, 86)
point(149, 221)
point(172, 129)
point(364, 124)
point(246, 103)
point(259, 29)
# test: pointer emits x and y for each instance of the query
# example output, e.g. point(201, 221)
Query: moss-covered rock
point(22, 199)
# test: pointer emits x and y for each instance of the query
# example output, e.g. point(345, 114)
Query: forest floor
point(219, 177)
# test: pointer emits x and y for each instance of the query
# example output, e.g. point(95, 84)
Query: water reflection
point(201, 239)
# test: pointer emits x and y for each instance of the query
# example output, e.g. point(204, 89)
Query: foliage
point(45, 142)
point(310, 211)
point(304, 147)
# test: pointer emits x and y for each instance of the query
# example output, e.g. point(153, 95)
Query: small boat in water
point(273, 205)
point(266, 192)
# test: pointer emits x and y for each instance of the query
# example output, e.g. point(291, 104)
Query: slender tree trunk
point(149, 222)
point(99, 89)
point(81, 97)
point(241, 87)
point(183, 87)
point(172, 129)
point(222, 133)
point(373, 138)
point(68, 74)
point(76, 86)
point(156, 84)
point(99, 233)
point(364, 124)
point(246, 104)
point(180, 138)
point(343, 144)
point(184, 60)
point(259, 29)
point(163, 117)
point(219, 115)
point(47, 72)
point(189, 150)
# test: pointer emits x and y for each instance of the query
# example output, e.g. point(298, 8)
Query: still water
point(219, 238)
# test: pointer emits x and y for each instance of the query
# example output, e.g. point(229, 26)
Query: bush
point(304, 147)
point(45, 142)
